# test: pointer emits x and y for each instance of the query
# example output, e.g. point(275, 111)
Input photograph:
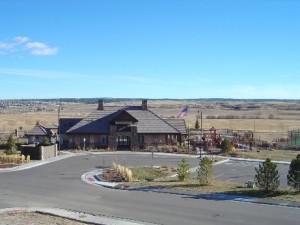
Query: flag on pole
point(183, 112)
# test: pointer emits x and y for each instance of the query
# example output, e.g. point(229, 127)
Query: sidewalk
point(77, 216)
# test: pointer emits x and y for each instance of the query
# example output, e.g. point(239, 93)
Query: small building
point(64, 125)
point(39, 132)
point(123, 128)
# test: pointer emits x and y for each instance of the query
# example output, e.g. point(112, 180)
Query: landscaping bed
point(8, 165)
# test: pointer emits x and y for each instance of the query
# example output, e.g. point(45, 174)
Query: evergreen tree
point(45, 142)
point(267, 176)
point(205, 171)
point(11, 146)
point(183, 172)
point(226, 146)
point(293, 176)
point(197, 125)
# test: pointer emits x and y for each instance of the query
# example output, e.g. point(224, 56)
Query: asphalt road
point(58, 185)
point(242, 171)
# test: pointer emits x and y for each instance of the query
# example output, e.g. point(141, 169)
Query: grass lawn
point(275, 155)
point(150, 174)
point(2, 151)
point(145, 176)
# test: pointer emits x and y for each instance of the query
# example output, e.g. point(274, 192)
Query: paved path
point(59, 185)
point(240, 171)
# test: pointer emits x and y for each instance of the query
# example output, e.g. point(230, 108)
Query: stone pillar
point(135, 145)
point(55, 150)
point(41, 152)
point(112, 141)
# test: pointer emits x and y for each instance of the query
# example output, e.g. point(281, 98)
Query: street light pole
point(58, 130)
point(84, 144)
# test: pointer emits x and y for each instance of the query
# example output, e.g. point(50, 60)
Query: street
point(58, 185)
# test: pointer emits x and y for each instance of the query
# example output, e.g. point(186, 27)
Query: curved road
point(58, 185)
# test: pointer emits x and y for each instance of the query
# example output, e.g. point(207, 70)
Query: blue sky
point(150, 49)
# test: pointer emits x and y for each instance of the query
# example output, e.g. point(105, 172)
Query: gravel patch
point(33, 218)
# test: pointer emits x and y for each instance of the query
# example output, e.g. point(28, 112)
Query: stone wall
point(39, 152)
point(48, 151)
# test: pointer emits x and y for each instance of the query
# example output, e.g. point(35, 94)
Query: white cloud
point(21, 43)
point(6, 46)
point(38, 48)
point(21, 39)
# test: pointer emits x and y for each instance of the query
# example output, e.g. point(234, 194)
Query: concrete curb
point(77, 216)
point(259, 160)
point(92, 178)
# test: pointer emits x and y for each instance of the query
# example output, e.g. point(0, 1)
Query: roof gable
point(151, 123)
point(123, 116)
point(39, 131)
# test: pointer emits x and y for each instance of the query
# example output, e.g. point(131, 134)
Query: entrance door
point(123, 143)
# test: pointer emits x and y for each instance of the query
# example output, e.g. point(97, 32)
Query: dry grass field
point(267, 117)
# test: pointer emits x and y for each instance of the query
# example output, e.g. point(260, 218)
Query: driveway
point(240, 171)
point(58, 185)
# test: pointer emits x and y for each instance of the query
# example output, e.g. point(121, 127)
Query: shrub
point(14, 159)
point(211, 117)
point(45, 142)
point(128, 175)
point(294, 173)
point(267, 176)
point(226, 146)
point(205, 171)
point(124, 172)
point(197, 125)
point(183, 172)
point(11, 147)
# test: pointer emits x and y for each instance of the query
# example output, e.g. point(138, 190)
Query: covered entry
point(123, 142)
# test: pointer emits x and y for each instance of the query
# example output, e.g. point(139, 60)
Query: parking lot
point(241, 171)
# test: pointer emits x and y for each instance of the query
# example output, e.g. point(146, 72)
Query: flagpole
point(188, 136)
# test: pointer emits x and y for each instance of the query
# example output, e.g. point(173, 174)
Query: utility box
point(250, 184)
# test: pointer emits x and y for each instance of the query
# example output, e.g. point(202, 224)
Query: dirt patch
point(33, 218)
point(3, 166)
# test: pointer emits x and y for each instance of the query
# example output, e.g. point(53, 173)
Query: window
point(104, 140)
point(123, 140)
point(141, 139)
point(155, 138)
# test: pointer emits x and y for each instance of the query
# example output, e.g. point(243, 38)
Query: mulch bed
point(7, 165)
point(110, 175)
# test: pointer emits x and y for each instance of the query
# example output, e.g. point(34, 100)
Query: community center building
point(121, 128)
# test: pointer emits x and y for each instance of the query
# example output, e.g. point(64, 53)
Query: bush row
point(14, 159)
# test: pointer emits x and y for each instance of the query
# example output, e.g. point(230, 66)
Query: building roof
point(40, 130)
point(145, 120)
point(66, 123)
point(178, 124)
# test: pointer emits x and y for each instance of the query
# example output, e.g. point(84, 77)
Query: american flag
point(183, 112)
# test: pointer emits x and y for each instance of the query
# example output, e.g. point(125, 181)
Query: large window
point(123, 140)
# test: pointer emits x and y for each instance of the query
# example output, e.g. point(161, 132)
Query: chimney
point(100, 105)
point(144, 104)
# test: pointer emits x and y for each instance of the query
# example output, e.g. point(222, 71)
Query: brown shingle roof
point(98, 121)
point(178, 124)
point(40, 130)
